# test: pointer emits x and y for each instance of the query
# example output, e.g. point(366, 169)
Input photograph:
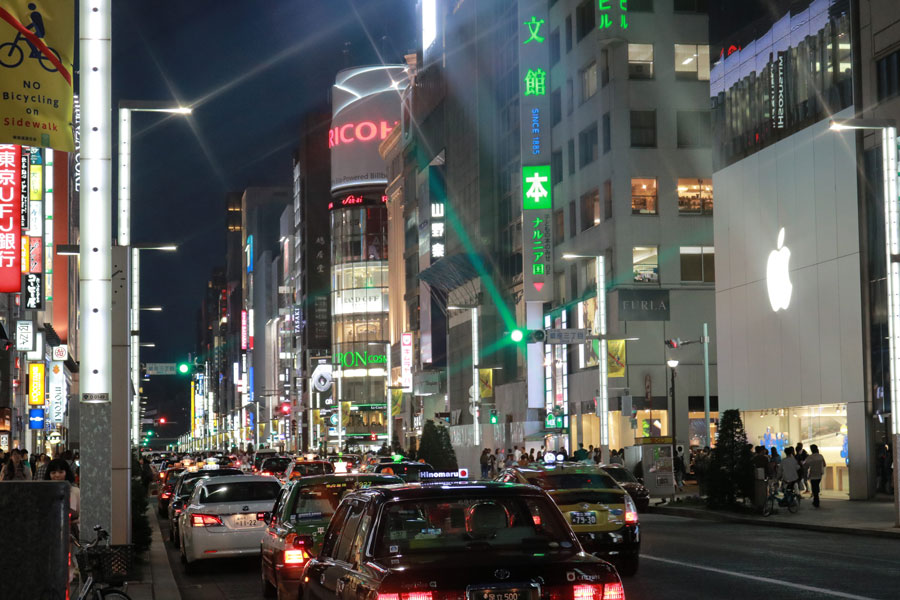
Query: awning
point(454, 271)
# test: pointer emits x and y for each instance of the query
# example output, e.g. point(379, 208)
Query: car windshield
point(471, 523)
point(243, 491)
point(571, 481)
point(188, 485)
point(620, 474)
point(320, 500)
point(276, 465)
point(316, 468)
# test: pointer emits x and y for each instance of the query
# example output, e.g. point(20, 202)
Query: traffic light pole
point(476, 384)
point(706, 382)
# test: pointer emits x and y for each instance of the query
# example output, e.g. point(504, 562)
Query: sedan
point(226, 517)
point(184, 487)
point(635, 489)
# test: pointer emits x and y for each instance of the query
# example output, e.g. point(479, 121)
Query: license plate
point(502, 594)
point(245, 521)
point(583, 518)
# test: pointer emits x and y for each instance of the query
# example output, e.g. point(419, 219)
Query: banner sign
point(35, 418)
point(36, 78)
point(406, 361)
point(34, 291)
point(615, 350)
point(10, 219)
point(24, 162)
point(36, 384)
point(58, 391)
point(643, 305)
point(25, 336)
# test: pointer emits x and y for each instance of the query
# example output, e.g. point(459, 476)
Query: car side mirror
point(267, 518)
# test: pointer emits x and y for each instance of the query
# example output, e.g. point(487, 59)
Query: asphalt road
point(682, 559)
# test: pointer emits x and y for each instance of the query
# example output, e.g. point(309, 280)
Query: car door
point(313, 588)
point(333, 566)
point(357, 582)
point(272, 540)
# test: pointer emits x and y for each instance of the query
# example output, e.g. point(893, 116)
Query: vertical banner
point(34, 291)
point(615, 350)
point(396, 402)
point(57, 392)
point(24, 174)
point(10, 218)
point(36, 384)
point(36, 74)
point(534, 120)
point(486, 383)
point(406, 362)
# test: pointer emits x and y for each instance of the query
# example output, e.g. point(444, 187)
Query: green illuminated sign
point(605, 9)
point(353, 360)
point(536, 82)
point(537, 188)
point(534, 28)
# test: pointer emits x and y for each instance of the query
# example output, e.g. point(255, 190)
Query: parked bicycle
point(103, 568)
point(787, 498)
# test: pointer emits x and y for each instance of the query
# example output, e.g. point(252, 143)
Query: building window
point(588, 82)
point(584, 18)
point(645, 264)
point(640, 6)
point(590, 210)
point(607, 134)
point(573, 226)
point(604, 67)
point(698, 264)
point(698, 6)
point(554, 47)
point(570, 150)
point(695, 196)
point(693, 129)
point(643, 129)
point(640, 61)
point(556, 166)
point(559, 226)
point(587, 146)
point(570, 97)
point(607, 199)
point(569, 33)
point(555, 106)
point(692, 61)
point(643, 196)
point(887, 71)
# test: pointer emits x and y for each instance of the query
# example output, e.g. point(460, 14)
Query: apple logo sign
point(778, 276)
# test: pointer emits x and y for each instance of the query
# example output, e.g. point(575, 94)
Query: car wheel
point(190, 568)
point(628, 566)
point(268, 590)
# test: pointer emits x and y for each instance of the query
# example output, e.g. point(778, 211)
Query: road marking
point(798, 586)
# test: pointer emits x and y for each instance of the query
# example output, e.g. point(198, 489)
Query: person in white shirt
point(815, 470)
point(789, 469)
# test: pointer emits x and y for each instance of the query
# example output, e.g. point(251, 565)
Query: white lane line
point(797, 586)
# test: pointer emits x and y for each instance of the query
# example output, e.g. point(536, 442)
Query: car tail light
point(165, 495)
point(588, 591)
point(426, 595)
point(199, 520)
point(162, 475)
point(294, 557)
point(631, 514)
point(613, 591)
point(265, 473)
point(388, 597)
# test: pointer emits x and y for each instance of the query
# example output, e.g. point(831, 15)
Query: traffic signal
point(183, 368)
point(285, 408)
point(493, 417)
point(673, 343)
point(517, 335)
point(531, 336)
point(162, 420)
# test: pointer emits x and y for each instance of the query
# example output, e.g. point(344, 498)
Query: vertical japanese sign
point(406, 362)
point(24, 174)
point(10, 218)
point(34, 291)
point(244, 330)
point(613, 13)
point(25, 336)
point(58, 392)
point(36, 384)
point(537, 184)
point(36, 74)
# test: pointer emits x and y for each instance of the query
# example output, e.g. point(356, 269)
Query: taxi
point(600, 511)
point(407, 470)
point(301, 467)
point(296, 526)
point(484, 541)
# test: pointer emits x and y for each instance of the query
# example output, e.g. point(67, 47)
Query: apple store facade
point(795, 310)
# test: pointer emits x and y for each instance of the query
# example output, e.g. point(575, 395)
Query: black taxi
point(455, 541)
point(296, 526)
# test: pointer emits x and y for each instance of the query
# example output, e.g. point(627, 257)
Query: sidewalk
point(158, 582)
point(854, 517)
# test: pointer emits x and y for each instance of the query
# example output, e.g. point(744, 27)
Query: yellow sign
point(26, 254)
point(193, 413)
point(345, 414)
point(615, 350)
point(486, 383)
point(38, 50)
point(396, 402)
point(317, 417)
point(36, 384)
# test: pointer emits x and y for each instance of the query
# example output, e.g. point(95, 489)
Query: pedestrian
point(815, 470)
point(580, 454)
point(492, 463)
point(617, 458)
point(531, 455)
point(517, 454)
point(678, 465)
point(27, 462)
point(523, 460)
point(15, 469)
point(801, 455)
point(485, 463)
point(510, 458)
point(41, 468)
point(789, 470)
point(58, 470)
point(597, 456)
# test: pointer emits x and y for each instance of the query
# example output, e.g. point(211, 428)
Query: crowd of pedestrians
point(798, 470)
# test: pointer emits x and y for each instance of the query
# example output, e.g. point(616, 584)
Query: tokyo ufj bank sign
point(778, 275)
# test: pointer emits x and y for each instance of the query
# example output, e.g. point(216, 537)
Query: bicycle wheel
point(45, 62)
point(793, 504)
point(111, 594)
point(8, 54)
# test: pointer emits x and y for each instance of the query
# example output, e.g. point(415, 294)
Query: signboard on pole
point(25, 336)
point(57, 391)
point(10, 218)
point(160, 368)
point(36, 384)
point(566, 336)
point(406, 361)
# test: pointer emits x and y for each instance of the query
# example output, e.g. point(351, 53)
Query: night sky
point(250, 69)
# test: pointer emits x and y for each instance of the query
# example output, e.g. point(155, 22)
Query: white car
point(225, 516)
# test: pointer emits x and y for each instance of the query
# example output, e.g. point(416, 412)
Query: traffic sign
point(87, 397)
point(566, 336)
point(160, 368)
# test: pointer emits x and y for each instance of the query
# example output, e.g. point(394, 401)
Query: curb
point(164, 586)
point(693, 513)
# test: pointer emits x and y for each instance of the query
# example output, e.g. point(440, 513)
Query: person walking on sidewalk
point(41, 468)
point(801, 455)
point(815, 470)
point(679, 470)
point(15, 469)
point(485, 463)
point(789, 470)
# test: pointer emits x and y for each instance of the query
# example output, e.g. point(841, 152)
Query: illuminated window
point(588, 82)
point(643, 196)
point(643, 129)
point(640, 61)
point(695, 196)
point(645, 264)
point(692, 61)
point(698, 263)
point(590, 210)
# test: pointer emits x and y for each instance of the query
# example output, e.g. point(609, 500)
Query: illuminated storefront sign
point(24, 163)
point(35, 255)
point(608, 14)
point(249, 252)
point(10, 219)
point(57, 392)
point(36, 383)
point(438, 248)
point(34, 291)
point(366, 131)
point(35, 418)
point(537, 243)
point(358, 200)
point(361, 300)
point(353, 360)
point(25, 336)
point(406, 361)
point(244, 330)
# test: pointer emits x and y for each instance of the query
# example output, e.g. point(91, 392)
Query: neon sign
point(350, 360)
point(10, 218)
point(353, 200)
point(605, 9)
point(365, 131)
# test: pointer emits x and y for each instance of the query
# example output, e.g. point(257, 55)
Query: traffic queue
point(388, 528)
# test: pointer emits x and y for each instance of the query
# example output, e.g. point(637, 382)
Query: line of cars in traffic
point(393, 529)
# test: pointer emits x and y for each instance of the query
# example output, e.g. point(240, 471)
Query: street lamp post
point(673, 365)
point(890, 168)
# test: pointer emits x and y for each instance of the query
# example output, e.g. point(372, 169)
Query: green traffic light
point(493, 418)
point(517, 335)
point(183, 368)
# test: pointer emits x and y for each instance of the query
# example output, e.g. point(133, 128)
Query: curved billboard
point(365, 103)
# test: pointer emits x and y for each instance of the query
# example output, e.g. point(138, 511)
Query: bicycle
point(102, 568)
point(8, 58)
point(788, 499)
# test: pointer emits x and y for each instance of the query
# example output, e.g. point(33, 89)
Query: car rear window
point(406, 471)
point(570, 481)
point(189, 483)
point(305, 469)
point(588, 496)
point(243, 491)
point(275, 465)
point(620, 474)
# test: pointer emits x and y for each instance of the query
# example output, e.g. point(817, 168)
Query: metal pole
point(706, 382)
point(387, 394)
point(673, 411)
point(891, 216)
point(134, 305)
point(602, 366)
point(340, 424)
point(476, 385)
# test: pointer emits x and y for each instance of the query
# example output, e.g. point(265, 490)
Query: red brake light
point(166, 495)
point(388, 597)
point(294, 557)
point(265, 473)
point(613, 591)
point(199, 520)
point(587, 591)
point(416, 596)
point(631, 514)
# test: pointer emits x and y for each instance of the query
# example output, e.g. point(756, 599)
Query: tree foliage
point(730, 470)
